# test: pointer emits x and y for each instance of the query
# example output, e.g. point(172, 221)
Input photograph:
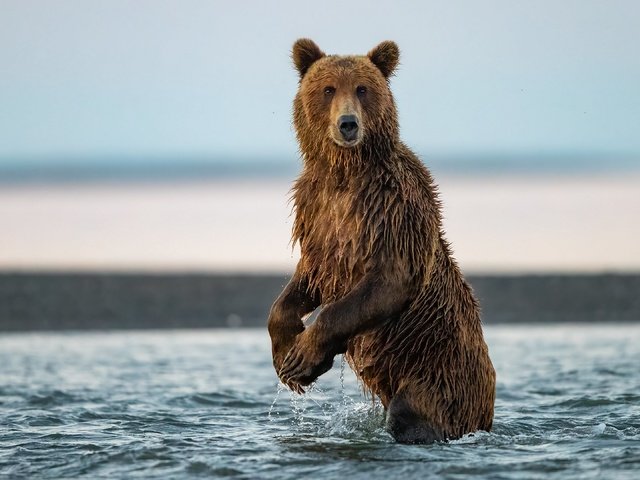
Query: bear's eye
point(329, 91)
point(361, 91)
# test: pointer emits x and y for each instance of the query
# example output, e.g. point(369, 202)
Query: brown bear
point(374, 258)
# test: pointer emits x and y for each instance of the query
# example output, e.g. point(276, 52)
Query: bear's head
point(344, 103)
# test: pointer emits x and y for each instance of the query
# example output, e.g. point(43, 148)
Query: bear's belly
point(367, 365)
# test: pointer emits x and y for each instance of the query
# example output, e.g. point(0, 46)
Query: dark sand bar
point(31, 301)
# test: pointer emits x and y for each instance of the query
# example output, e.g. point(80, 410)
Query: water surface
point(178, 404)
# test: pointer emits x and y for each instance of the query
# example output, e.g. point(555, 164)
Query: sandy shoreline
point(495, 224)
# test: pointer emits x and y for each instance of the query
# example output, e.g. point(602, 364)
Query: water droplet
point(342, 391)
point(280, 389)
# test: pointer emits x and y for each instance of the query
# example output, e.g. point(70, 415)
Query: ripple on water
point(219, 399)
point(51, 399)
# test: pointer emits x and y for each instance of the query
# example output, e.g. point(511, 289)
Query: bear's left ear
point(305, 52)
point(386, 57)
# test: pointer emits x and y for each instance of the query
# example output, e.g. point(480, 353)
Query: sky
point(157, 79)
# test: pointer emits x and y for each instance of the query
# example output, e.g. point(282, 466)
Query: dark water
point(177, 404)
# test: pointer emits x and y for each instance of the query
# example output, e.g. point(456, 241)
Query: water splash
point(335, 413)
point(280, 389)
point(299, 406)
point(343, 394)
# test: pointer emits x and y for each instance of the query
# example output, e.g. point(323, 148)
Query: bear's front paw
point(304, 363)
point(282, 339)
point(279, 352)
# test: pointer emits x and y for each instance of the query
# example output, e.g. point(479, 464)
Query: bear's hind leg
point(407, 426)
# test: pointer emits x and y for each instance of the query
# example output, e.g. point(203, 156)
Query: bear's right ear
point(305, 53)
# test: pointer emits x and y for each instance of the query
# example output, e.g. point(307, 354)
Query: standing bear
point(374, 258)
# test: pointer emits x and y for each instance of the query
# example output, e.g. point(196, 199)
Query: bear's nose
point(348, 125)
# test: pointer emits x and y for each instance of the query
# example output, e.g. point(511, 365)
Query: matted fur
point(378, 202)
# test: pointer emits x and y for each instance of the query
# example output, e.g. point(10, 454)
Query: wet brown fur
point(375, 206)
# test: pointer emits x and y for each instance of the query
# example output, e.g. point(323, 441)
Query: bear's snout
point(348, 126)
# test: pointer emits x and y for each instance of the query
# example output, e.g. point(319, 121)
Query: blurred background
point(146, 152)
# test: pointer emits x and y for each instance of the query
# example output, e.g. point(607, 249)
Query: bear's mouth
point(347, 144)
point(340, 141)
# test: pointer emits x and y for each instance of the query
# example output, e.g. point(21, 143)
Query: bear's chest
point(333, 244)
point(334, 226)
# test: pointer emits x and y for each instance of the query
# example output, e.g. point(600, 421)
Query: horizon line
point(55, 169)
